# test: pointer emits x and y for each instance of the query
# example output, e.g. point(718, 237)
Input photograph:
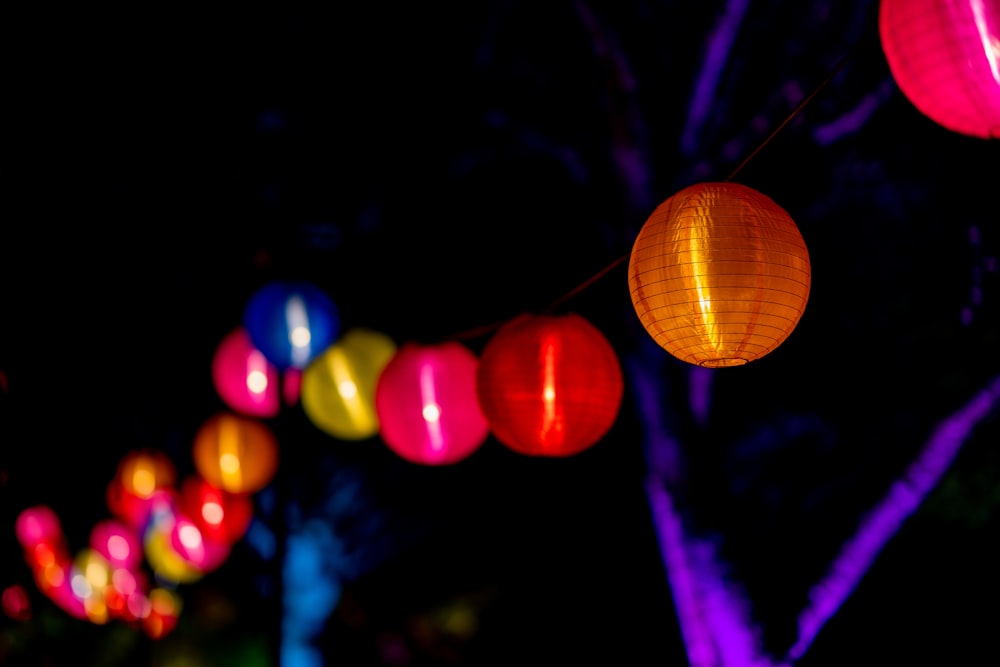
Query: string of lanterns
point(719, 276)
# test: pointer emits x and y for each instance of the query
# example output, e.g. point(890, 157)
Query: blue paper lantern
point(290, 323)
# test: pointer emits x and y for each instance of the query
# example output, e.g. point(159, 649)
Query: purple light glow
point(885, 519)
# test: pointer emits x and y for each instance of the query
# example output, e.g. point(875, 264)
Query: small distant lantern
point(143, 472)
point(38, 525)
point(719, 275)
point(426, 404)
point(235, 453)
point(118, 543)
point(162, 611)
point(338, 387)
point(219, 515)
point(549, 385)
point(244, 379)
point(291, 322)
point(945, 58)
point(196, 548)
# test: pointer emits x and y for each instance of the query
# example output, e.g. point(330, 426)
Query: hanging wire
point(488, 328)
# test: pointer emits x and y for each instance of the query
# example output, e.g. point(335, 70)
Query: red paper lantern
point(945, 57)
point(426, 404)
point(549, 385)
point(235, 453)
point(719, 275)
point(220, 516)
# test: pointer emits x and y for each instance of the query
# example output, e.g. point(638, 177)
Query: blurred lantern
point(945, 57)
point(38, 525)
point(426, 404)
point(220, 516)
point(134, 510)
point(245, 380)
point(142, 473)
point(163, 608)
point(16, 603)
point(161, 554)
point(188, 542)
point(91, 575)
point(234, 453)
point(291, 322)
point(549, 385)
point(338, 387)
point(719, 275)
point(118, 543)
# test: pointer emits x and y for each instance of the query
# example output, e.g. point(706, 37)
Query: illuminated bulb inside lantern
point(143, 482)
point(431, 413)
point(118, 547)
point(212, 513)
point(124, 581)
point(300, 337)
point(229, 463)
point(257, 382)
point(81, 587)
point(44, 555)
point(189, 536)
point(96, 573)
point(298, 329)
point(991, 46)
point(549, 390)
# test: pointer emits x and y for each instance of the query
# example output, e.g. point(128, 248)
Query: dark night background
point(436, 168)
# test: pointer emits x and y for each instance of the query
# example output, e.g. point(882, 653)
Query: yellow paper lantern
point(338, 387)
point(719, 275)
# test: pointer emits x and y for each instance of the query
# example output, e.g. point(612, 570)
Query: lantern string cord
point(808, 98)
point(585, 284)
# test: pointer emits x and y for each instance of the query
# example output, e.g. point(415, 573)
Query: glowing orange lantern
point(338, 387)
point(244, 378)
point(946, 60)
point(235, 453)
point(549, 385)
point(719, 275)
point(426, 404)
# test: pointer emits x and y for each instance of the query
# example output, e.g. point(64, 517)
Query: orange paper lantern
point(549, 385)
point(235, 453)
point(945, 58)
point(719, 275)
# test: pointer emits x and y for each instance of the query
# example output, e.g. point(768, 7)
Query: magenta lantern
point(944, 55)
point(244, 379)
point(426, 403)
point(118, 543)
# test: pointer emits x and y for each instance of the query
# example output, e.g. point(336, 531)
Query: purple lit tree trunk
point(714, 609)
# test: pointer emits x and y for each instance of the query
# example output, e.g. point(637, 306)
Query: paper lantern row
point(719, 275)
point(546, 385)
point(182, 533)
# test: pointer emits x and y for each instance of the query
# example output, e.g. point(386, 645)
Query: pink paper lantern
point(426, 404)
point(244, 379)
point(944, 56)
point(118, 543)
